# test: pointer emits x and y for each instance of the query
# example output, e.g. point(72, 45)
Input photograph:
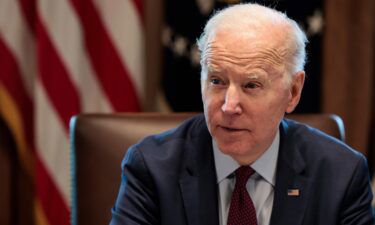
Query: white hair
point(249, 18)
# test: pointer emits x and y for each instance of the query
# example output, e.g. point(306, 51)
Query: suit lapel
point(198, 181)
point(292, 184)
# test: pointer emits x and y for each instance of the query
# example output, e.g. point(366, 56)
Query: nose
point(232, 102)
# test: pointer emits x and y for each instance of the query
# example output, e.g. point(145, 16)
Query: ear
point(296, 86)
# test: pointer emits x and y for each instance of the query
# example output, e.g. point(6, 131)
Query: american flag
point(293, 192)
point(57, 59)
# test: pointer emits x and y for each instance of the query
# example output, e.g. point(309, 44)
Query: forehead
point(244, 52)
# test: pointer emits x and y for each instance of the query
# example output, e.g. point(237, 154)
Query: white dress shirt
point(260, 185)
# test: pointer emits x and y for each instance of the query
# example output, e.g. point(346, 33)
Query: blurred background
point(65, 57)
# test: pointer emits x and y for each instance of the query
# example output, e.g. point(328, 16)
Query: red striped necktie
point(242, 210)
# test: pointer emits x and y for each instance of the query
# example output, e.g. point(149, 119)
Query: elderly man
point(242, 163)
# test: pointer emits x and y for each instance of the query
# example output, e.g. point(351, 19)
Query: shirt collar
point(265, 165)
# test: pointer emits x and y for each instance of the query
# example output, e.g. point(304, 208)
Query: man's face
point(245, 93)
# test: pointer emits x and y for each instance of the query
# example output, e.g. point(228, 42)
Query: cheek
point(211, 100)
point(269, 111)
point(278, 101)
point(212, 107)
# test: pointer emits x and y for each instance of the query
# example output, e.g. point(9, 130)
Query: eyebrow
point(255, 75)
point(211, 68)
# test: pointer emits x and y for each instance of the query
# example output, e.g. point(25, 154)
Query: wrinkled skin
point(246, 92)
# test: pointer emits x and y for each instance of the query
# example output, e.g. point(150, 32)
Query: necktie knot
point(243, 174)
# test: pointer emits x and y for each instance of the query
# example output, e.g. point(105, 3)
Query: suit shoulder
point(317, 144)
point(163, 155)
point(172, 144)
point(188, 129)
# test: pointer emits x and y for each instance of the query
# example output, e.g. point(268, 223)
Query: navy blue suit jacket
point(170, 179)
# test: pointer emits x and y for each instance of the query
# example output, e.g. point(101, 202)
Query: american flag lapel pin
point(293, 192)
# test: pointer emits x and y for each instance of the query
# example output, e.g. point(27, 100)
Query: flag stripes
point(138, 6)
point(28, 8)
point(53, 150)
point(101, 49)
point(58, 59)
point(78, 65)
point(129, 44)
point(55, 78)
point(52, 204)
point(17, 36)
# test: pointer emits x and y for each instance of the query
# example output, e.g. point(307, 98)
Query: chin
point(234, 148)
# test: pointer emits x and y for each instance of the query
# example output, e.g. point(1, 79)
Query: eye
point(252, 85)
point(215, 81)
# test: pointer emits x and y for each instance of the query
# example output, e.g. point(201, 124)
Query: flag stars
point(315, 23)
point(205, 6)
point(166, 36)
point(195, 55)
point(180, 45)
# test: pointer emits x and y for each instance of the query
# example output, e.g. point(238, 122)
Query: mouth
point(232, 129)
